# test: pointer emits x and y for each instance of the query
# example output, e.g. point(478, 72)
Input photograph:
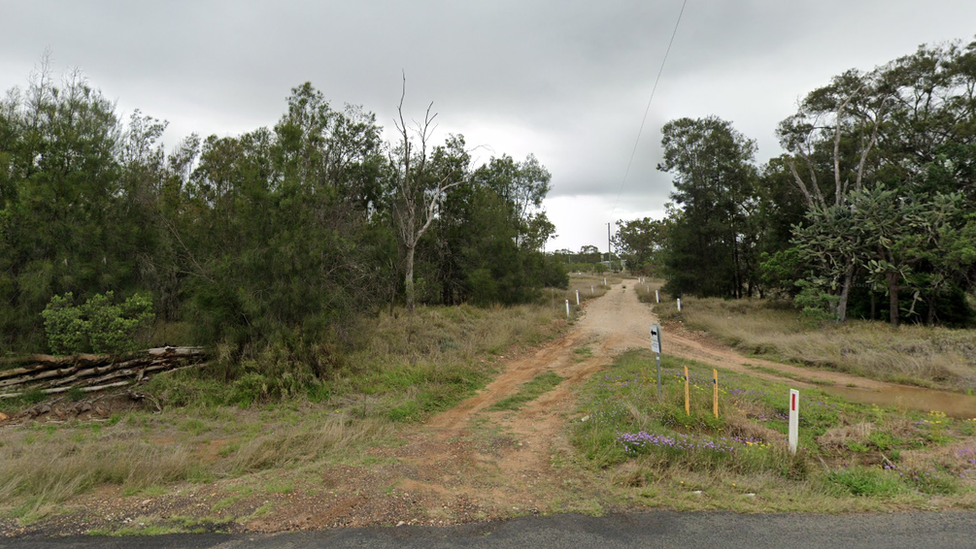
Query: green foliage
point(881, 158)
point(710, 249)
point(815, 304)
point(98, 325)
point(540, 385)
point(641, 242)
point(864, 481)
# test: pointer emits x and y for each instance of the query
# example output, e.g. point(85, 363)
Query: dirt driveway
point(467, 464)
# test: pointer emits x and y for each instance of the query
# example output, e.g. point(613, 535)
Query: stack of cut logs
point(90, 373)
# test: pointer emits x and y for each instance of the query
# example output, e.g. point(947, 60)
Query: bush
point(99, 325)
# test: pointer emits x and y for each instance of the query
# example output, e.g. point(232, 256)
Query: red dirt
point(466, 464)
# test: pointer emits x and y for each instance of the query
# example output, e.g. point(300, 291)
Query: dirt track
point(467, 464)
point(471, 464)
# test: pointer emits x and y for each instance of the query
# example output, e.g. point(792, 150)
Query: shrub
point(99, 325)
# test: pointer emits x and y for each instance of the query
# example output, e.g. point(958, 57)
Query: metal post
point(658, 376)
point(794, 419)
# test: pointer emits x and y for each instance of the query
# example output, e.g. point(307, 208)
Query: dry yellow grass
point(441, 351)
point(917, 354)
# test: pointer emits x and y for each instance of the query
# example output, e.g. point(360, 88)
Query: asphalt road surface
point(654, 529)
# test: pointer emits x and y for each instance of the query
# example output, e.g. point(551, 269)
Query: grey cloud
point(566, 79)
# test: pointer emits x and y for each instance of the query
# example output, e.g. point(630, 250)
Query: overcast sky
point(566, 80)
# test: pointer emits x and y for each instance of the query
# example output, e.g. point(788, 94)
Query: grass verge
point(851, 456)
point(212, 430)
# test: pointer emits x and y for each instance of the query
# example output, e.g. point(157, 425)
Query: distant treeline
point(870, 214)
point(287, 232)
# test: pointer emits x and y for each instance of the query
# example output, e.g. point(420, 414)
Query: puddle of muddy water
point(955, 405)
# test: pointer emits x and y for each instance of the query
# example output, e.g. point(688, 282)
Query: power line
point(648, 108)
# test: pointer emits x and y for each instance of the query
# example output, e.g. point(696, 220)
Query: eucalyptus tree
point(897, 137)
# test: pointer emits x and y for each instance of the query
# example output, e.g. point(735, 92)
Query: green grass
point(272, 413)
point(851, 455)
point(532, 390)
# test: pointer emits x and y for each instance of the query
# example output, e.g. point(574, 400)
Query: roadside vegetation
point(268, 418)
point(867, 215)
point(851, 456)
point(932, 356)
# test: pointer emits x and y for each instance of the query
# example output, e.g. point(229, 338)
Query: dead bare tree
point(417, 192)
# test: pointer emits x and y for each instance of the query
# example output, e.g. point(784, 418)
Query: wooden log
point(67, 375)
point(43, 363)
point(57, 390)
point(130, 367)
point(38, 362)
point(177, 351)
point(48, 372)
point(39, 376)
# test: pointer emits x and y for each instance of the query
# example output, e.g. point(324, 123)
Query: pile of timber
point(90, 373)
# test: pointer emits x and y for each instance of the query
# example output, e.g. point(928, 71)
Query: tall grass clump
point(645, 291)
point(924, 355)
point(38, 469)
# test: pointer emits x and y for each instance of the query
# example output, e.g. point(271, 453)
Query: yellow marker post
point(715, 393)
point(687, 395)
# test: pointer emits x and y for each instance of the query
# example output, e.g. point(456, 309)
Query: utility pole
point(609, 250)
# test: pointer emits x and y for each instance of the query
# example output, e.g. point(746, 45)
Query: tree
point(641, 242)
point(523, 186)
point(489, 235)
point(900, 139)
point(63, 224)
point(417, 190)
point(714, 187)
point(840, 120)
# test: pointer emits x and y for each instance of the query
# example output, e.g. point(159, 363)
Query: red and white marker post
point(794, 418)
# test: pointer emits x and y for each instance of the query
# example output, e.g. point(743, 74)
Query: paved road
point(656, 529)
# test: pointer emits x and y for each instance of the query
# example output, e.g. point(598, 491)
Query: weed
point(864, 481)
point(542, 384)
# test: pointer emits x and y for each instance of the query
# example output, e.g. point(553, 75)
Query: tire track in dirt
point(504, 459)
point(469, 463)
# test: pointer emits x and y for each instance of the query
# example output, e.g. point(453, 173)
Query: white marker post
point(567, 307)
point(679, 304)
point(591, 290)
point(657, 296)
point(604, 281)
point(656, 347)
point(577, 297)
point(794, 419)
